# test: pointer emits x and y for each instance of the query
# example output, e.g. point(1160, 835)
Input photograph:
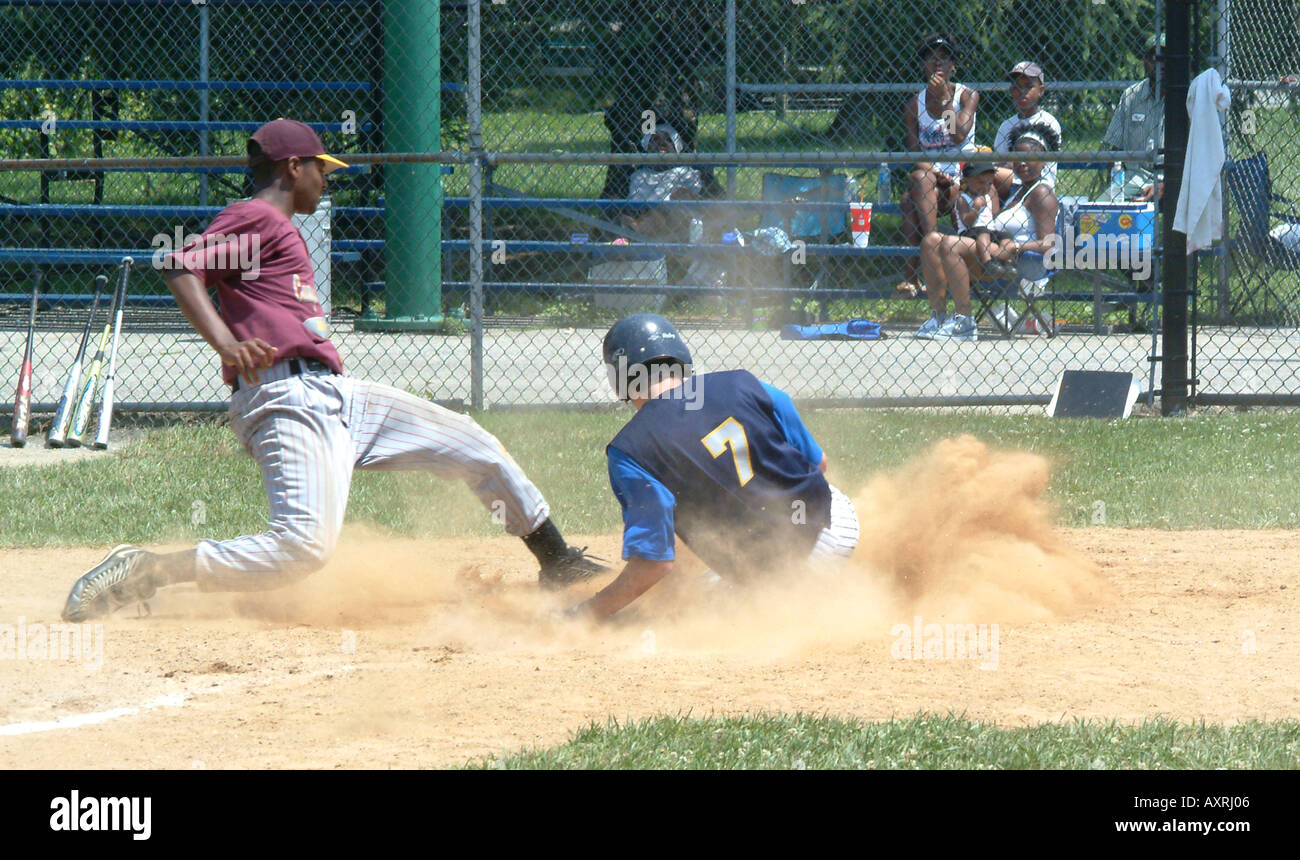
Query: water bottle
point(697, 273)
point(884, 192)
point(1117, 179)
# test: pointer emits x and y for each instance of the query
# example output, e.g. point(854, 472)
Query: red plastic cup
point(860, 223)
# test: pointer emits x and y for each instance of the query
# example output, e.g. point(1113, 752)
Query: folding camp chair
point(1018, 293)
point(1254, 247)
point(820, 225)
point(1006, 293)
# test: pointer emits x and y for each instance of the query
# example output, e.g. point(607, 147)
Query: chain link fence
point(1248, 304)
point(736, 249)
point(527, 171)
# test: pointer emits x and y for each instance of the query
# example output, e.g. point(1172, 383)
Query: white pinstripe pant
point(308, 432)
point(840, 538)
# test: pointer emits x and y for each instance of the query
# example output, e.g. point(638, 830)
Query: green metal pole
point(413, 221)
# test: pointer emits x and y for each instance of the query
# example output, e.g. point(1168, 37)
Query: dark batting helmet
point(642, 340)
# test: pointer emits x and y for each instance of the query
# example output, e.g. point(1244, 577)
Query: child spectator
point(978, 203)
point(649, 184)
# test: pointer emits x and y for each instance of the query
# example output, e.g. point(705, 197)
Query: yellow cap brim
point(332, 162)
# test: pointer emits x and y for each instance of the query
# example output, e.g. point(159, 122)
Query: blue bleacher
point(91, 256)
point(353, 250)
point(156, 125)
point(216, 86)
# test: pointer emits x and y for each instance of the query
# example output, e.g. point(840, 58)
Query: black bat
point(106, 399)
point(63, 413)
point(23, 396)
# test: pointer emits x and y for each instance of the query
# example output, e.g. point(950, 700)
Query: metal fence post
point(731, 96)
point(1174, 380)
point(1223, 57)
point(474, 100)
point(205, 95)
point(413, 193)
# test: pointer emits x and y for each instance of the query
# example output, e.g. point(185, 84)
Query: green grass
point(821, 742)
point(1206, 471)
point(1210, 471)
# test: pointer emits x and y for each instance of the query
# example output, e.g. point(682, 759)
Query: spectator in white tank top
point(941, 118)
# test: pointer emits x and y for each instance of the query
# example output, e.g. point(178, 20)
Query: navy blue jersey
point(726, 464)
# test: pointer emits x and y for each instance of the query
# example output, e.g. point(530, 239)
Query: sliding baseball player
point(721, 460)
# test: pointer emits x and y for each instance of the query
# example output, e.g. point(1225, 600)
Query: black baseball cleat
point(573, 566)
point(116, 581)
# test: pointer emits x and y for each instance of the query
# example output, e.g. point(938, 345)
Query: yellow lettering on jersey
point(729, 434)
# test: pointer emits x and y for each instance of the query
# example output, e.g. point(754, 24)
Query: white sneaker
point(959, 328)
point(930, 327)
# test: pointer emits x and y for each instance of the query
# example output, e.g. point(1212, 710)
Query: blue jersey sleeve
point(792, 425)
point(647, 509)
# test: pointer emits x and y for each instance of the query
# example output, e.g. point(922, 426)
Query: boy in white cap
point(1028, 85)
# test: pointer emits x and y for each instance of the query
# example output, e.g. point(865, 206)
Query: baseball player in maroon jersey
point(305, 423)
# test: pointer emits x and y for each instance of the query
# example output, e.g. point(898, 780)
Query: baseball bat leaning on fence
point(63, 414)
point(23, 396)
point(86, 402)
point(106, 398)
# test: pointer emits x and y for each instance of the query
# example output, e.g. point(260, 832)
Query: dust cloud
point(967, 530)
point(961, 534)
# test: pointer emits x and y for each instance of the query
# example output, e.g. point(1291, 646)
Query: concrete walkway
point(563, 366)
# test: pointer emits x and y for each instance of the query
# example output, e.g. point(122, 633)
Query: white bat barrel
point(63, 412)
point(106, 399)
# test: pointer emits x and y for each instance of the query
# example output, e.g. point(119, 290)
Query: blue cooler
point(1104, 225)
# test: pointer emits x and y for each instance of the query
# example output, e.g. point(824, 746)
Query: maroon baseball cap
point(1028, 69)
point(286, 138)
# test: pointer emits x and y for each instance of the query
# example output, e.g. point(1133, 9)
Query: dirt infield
point(425, 669)
point(429, 653)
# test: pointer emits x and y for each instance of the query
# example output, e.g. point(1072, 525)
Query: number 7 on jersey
point(730, 434)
